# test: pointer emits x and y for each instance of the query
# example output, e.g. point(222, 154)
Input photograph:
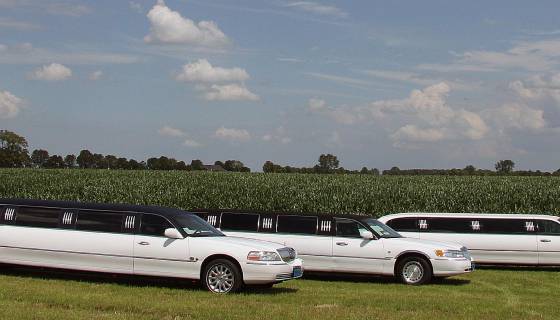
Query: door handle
point(545, 240)
point(143, 243)
point(341, 244)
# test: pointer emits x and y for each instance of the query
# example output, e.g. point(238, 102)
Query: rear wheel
point(414, 271)
point(222, 276)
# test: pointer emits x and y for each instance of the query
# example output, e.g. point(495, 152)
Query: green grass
point(289, 192)
point(484, 294)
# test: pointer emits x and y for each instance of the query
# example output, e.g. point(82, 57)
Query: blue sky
point(416, 84)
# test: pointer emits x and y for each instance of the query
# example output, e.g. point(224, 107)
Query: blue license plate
point(298, 272)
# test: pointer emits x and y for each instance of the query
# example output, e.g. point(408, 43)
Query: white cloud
point(191, 143)
point(412, 133)
point(340, 79)
point(317, 8)
point(203, 71)
point(279, 135)
point(61, 7)
point(96, 75)
point(232, 134)
point(415, 78)
point(425, 116)
point(25, 53)
point(8, 23)
point(52, 72)
point(518, 116)
point(135, 6)
point(10, 105)
point(229, 92)
point(538, 87)
point(169, 131)
point(538, 55)
point(170, 27)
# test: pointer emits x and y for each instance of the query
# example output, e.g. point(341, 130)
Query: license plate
point(298, 272)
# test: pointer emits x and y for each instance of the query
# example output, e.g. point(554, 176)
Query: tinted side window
point(37, 217)
point(348, 228)
point(99, 221)
point(153, 225)
point(459, 225)
point(549, 227)
point(297, 224)
point(507, 226)
point(240, 222)
point(403, 224)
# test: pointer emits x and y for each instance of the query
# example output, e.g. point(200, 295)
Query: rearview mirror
point(173, 233)
point(366, 234)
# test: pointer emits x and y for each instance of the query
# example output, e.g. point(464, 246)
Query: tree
point(110, 161)
point(328, 163)
point(219, 163)
point(13, 150)
point(54, 162)
point(233, 165)
point(268, 167)
point(504, 166)
point(197, 165)
point(85, 159)
point(70, 161)
point(470, 170)
point(364, 170)
point(39, 158)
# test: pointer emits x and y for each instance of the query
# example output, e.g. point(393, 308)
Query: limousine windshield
point(197, 227)
point(382, 229)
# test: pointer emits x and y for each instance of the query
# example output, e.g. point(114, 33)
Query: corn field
point(377, 195)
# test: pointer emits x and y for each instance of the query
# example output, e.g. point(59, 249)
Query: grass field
point(289, 192)
point(484, 294)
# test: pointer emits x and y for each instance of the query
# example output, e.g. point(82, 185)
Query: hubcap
point(220, 278)
point(413, 271)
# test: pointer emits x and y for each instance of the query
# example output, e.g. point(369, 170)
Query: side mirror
point(173, 233)
point(366, 234)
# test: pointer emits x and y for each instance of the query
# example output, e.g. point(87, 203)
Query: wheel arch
point(219, 256)
point(411, 253)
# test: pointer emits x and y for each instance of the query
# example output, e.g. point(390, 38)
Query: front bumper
point(451, 267)
point(271, 272)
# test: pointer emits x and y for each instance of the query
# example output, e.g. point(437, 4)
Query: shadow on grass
point(377, 279)
point(519, 268)
point(127, 280)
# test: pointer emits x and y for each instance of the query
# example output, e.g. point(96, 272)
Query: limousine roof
point(469, 215)
point(343, 215)
point(164, 211)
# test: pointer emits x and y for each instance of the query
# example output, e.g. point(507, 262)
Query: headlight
point(450, 253)
point(263, 256)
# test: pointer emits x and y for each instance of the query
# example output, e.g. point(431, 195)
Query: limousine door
point(548, 241)
point(352, 253)
point(155, 254)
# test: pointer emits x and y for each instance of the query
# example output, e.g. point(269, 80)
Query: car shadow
point(519, 268)
point(376, 279)
point(125, 280)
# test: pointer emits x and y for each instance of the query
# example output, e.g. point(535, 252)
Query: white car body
point(512, 239)
point(327, 252)
point(129, 251)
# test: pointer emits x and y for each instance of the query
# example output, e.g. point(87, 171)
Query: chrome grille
point(287, 254)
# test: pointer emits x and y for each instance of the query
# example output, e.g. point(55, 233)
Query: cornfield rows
point(289, 192)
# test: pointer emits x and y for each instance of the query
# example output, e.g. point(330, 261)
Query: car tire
point(222, 276)
point(414, 271)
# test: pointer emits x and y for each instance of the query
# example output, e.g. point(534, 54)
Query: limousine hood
point(244, 243)
point(425, 244)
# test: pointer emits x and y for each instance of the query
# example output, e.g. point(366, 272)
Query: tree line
point(14, 154)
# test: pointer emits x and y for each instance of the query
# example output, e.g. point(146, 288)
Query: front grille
point(284, 276)
point(287, 254)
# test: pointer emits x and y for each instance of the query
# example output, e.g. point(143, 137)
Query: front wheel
point(222, 276)
point(414, 271)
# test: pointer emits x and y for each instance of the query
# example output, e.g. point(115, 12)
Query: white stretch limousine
point(347, 244)
point(141, 240)
point(514, 239)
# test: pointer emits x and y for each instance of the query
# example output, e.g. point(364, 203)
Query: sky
point(413, 84)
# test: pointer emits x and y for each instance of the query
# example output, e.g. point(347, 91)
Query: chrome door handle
point(341, 244)
point(545, 240)
point(143, 243)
